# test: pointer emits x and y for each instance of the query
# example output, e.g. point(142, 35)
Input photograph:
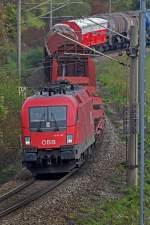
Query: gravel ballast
point(90, 182)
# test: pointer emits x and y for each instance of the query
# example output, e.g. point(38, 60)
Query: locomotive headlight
point(27, 140)
point(69, 139)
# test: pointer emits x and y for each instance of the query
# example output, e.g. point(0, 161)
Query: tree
point(3, 36)
point(130, 4)
point(67, 8)
point(124, 5)
point(11, 20)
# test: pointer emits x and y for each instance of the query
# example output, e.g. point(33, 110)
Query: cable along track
point(52, 184)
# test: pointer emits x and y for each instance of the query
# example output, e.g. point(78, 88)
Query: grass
point(105, 212)
point(126, 210)
point(7, 173)
point(114, 81)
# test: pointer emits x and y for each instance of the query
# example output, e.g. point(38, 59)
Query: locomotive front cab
point(49, 132)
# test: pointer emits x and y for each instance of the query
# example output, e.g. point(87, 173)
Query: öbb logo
point(48, 142)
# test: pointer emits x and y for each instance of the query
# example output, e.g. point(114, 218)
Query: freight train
point(62, 122)
point(93, 32)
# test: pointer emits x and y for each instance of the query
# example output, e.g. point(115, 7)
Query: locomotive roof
point(57, 89)
point(65, 93)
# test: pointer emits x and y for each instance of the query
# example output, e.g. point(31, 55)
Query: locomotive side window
point(52, 118)
point(96, 107)
point(77, 117)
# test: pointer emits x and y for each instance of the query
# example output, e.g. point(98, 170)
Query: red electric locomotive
point(58, 127)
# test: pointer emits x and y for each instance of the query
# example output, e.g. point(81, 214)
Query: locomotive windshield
point(52, 118)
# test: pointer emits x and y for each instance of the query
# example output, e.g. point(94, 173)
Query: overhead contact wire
point(100, 53)
point(62, 6)
point(37, 6)
point(107, 28)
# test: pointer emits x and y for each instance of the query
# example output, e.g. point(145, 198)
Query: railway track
point(32, 190)
point(119, 52)
point(15, 190)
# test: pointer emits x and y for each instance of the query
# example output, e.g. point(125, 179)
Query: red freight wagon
point(64, 57)
point(66, 60)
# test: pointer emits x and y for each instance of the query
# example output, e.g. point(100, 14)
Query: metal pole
point(19, 40)
point(133, 113)
point(51, 15)
point(109, 6)
point(142, 103)
point(60, 7)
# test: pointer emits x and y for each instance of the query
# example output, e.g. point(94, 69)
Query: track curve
point(15, 190)
point(33, 196)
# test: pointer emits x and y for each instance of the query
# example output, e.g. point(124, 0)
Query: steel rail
point(36, 195)
point(16, 190)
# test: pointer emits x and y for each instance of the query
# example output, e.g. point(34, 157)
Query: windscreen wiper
point(40, 125)
point(56, 124)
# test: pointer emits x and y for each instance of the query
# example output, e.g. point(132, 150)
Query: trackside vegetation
point(32, 60)
point(10, 104)
point(125, 210)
